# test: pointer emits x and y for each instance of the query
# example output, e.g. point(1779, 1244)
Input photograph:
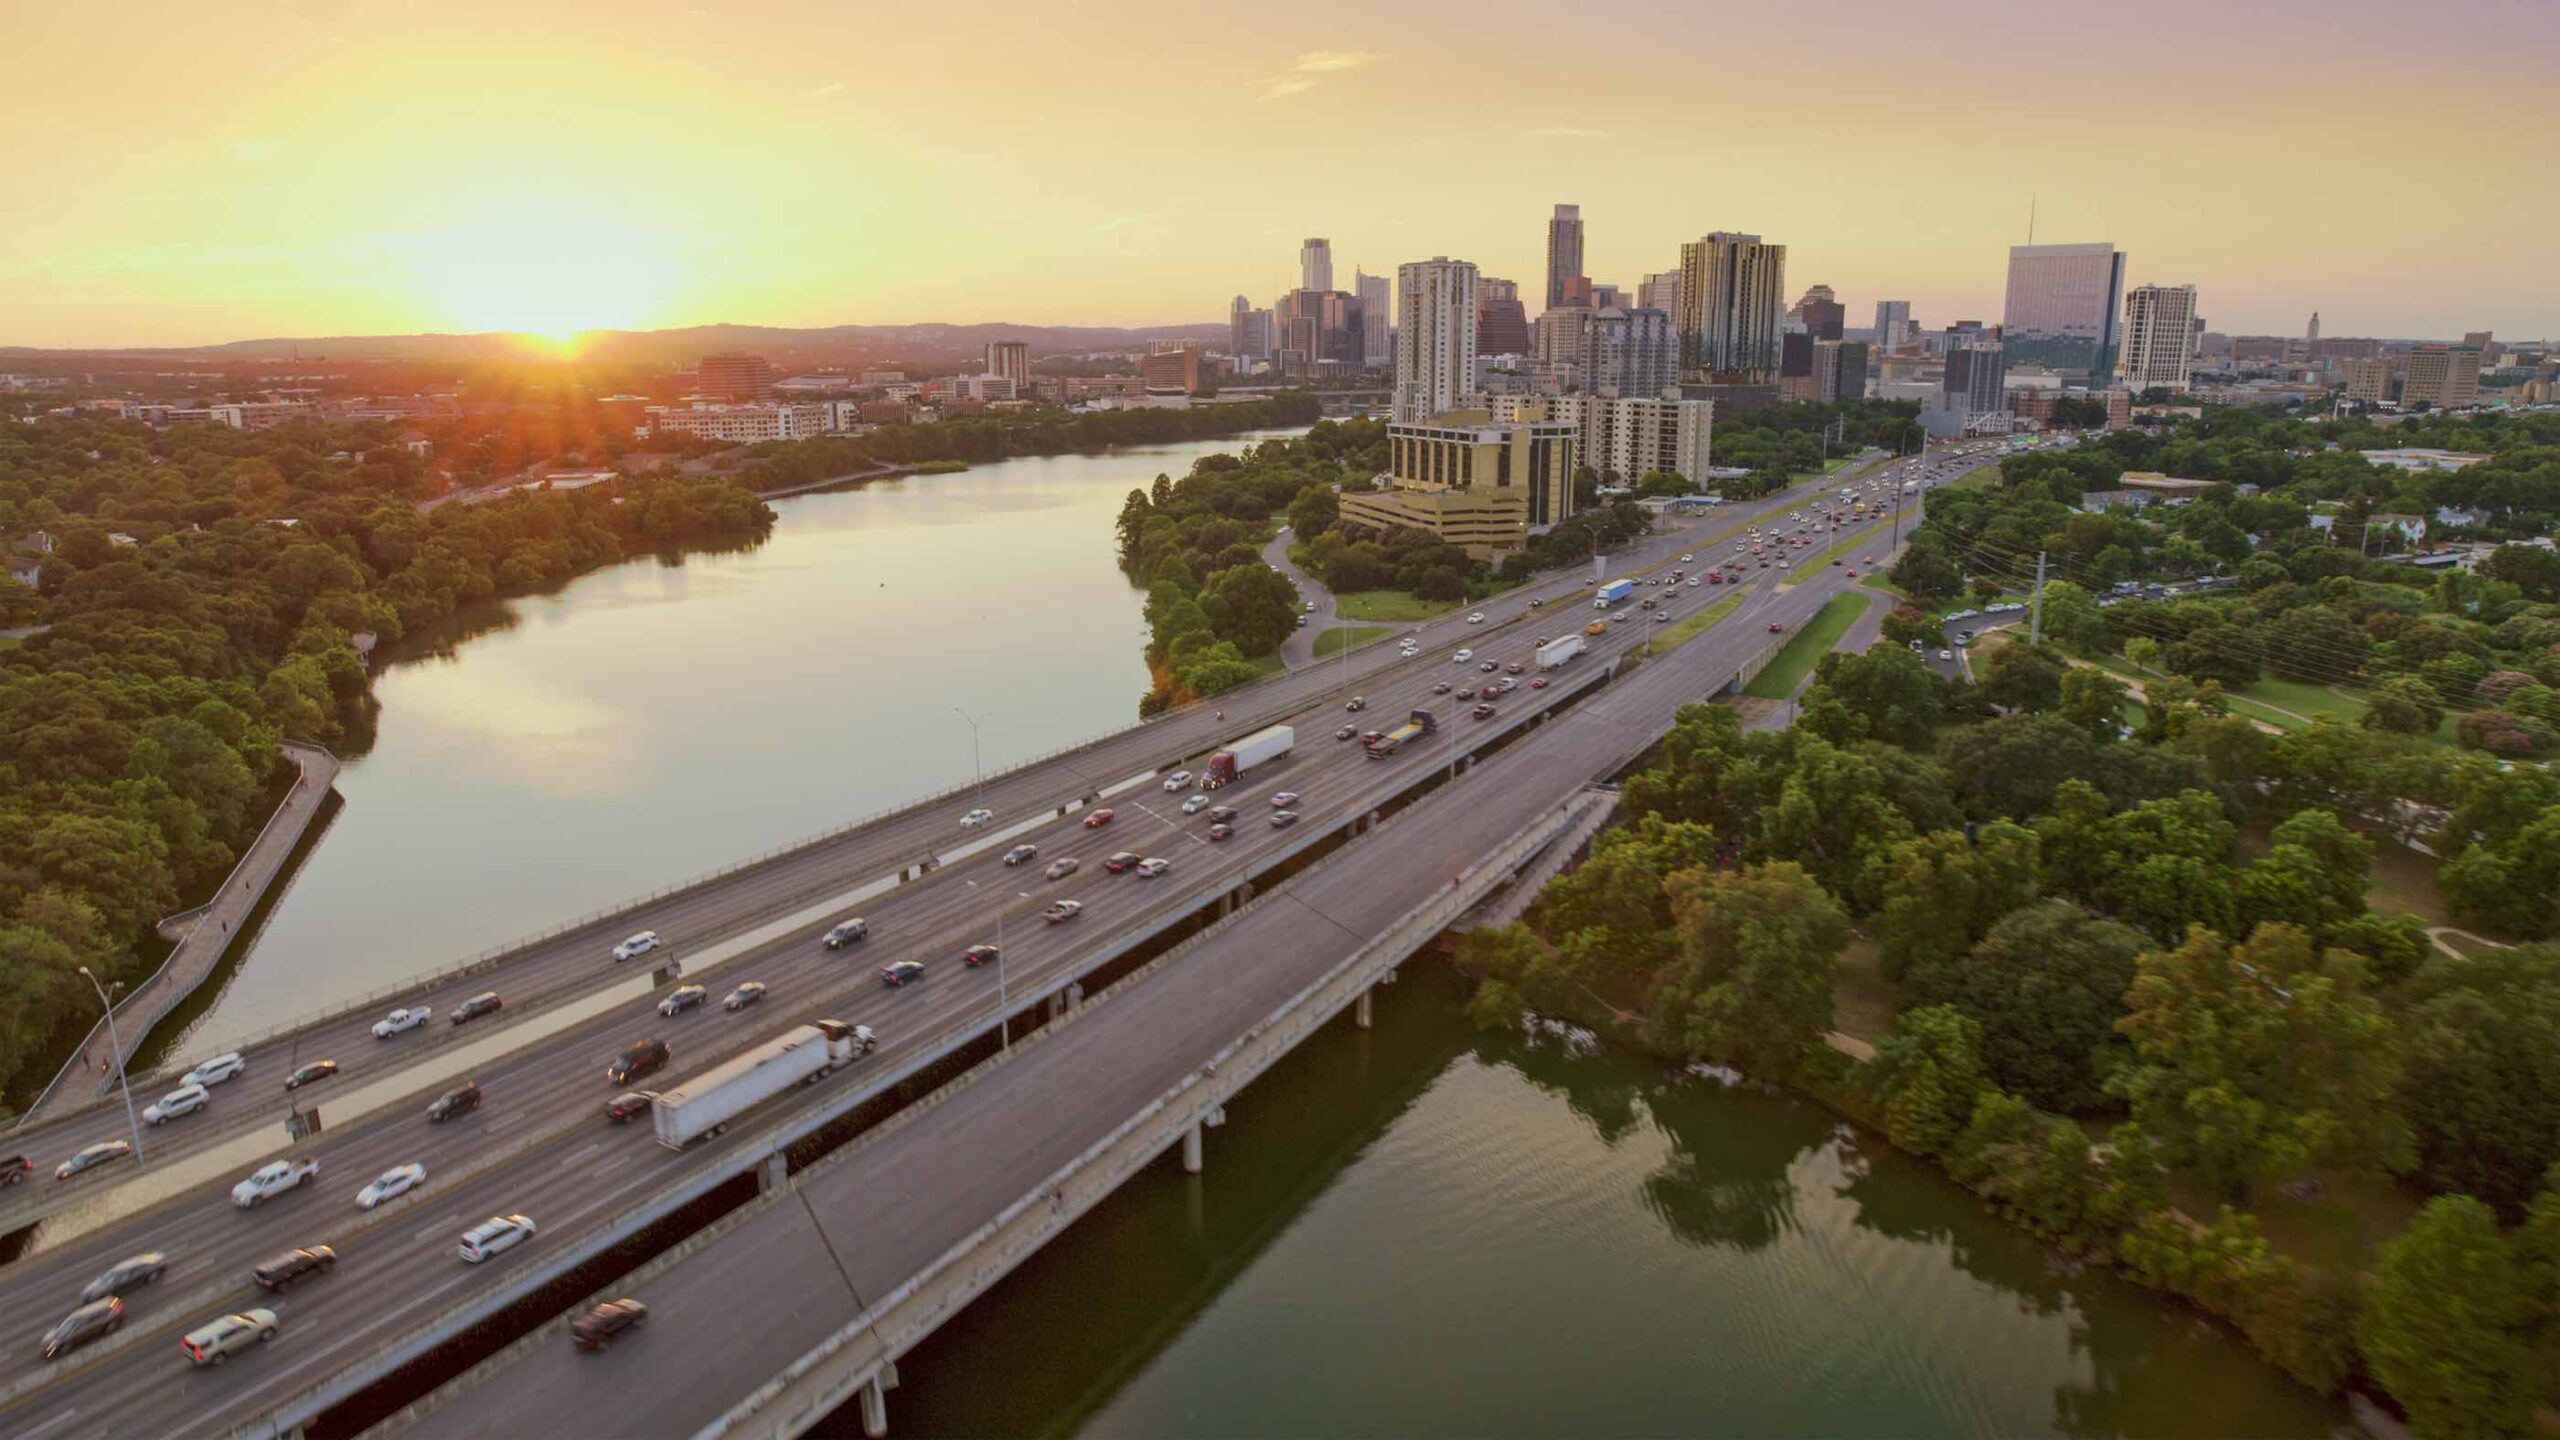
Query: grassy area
point(1684, 631)
point(1784, 673)
point(1331, 641)
point(2310, 701)
point(1861, 543)
point(1863, 1002)
point(1391, 606)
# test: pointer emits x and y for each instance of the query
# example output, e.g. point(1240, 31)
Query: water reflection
point(1420, 1230)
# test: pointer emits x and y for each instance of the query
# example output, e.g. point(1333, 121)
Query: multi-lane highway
point(734, 1313)
point(539, 1143)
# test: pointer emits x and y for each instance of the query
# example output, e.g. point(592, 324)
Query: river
point(1420, 1230)
point(1412, 1230)
point(545, 757)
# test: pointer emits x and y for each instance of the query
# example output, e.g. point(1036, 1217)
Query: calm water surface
point(549, 757)
point(1424, 1231)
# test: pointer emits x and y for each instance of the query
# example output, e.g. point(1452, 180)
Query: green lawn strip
point(2311, 701)
point(1331, 641)
point(1390, 606)
point(1863, 1002)
point(1684, 631)
point(1783, 674)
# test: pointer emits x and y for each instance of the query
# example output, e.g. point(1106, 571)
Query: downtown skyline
point(375, 171)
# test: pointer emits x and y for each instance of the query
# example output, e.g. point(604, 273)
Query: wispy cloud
point(825, 90)
point(1312, 67)
point(1564, 132)
point(1123, 222)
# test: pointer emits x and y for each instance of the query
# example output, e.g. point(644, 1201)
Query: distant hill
point(670, 347)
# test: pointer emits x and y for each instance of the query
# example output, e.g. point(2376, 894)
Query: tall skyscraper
point(1502, 322)
point(1320, 325)
point(1240, 329)
point(1893, 323)
point(1633, 353)
point(1728, 322)
point(1315, 264)
point(2063, 304)
point(2159, 336)
point(1435, 336)
point(1976, 377)
point(2311, 336)
point(1823, 315)
point(1660, 291)
point(1564, 252)
point(1011, 359)
point(1377, 321)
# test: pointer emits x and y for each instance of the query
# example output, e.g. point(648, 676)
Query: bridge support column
point(773, 1173)
point(1361, 1009)
point(875, 1409)
point(1193, 1161)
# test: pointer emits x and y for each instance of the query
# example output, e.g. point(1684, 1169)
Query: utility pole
point(2035, 606)
point(124, 1077)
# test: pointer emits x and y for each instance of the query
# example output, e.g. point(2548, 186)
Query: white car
point(1688, 559)
point(397, 1181)
point(1178, 780)
point(495, 1235)
point(1151, 867)
point(640, 944)
point(1462, 657)
point(1476, 619)
point(216, 1070)
point(976, 818)
point(408, 1017)
point(1195, 804)
point(213, 1342)
point(185, 1100)
point(273, 1179)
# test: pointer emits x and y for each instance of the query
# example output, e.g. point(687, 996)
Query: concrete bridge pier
point(875, 1408)
point(773, 1172)
point(1361, 1009)
point(1193, 1160)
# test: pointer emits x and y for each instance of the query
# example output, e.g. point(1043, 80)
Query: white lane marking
point(49, 1424)
point(610, 1166)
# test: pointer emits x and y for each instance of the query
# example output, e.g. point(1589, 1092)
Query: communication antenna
point(2031, 217)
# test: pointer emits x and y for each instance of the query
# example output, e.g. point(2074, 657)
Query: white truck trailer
point(804, 1054)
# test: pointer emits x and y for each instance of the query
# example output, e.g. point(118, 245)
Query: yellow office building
point(1478, 484)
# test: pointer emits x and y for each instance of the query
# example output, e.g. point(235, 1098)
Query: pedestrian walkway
point(202, 935)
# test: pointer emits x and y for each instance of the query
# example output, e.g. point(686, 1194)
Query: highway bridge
point(539, 1145)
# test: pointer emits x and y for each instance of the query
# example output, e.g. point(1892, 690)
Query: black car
point(1021, 854)
point(597, 1328)
point(460, 1100)
point(1283, 819)
point(1346, 732)
point(901, 973)
point(99, 1317)
point(1488, 667)
point(977, 955)
point(1122, 860)
point(1221, 831)
point(628, 1106)
point(292, 1265)
point(129, 1275)
point(484, 1003)
point(316, 1070)
point(1440, 689)
point(15, 1169)
point(681, 999)
point(846, 934)
point(1222, 814)
point(637, 1059)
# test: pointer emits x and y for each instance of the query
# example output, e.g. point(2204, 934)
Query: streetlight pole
point(122, 1077)
point(975, 765)
point(1004, 1003)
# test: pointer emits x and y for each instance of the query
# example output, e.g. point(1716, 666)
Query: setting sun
point(546, 268)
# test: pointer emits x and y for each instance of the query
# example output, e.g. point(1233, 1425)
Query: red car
point(1773, 627)
point(1538, 684)
point(1100, 818)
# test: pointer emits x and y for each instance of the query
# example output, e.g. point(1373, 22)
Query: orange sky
point(184, 174)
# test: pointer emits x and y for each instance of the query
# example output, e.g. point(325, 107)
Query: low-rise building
point(2418, 459)
point(2167, 487)
point(746, 424)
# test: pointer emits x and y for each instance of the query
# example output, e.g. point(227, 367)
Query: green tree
point(2447, 1324)
point(2047, 985)
point(1938, 894)
point(2072, 618)
point(2481, 1085)
point(1928, 1077)
point(2023, 677)
point(2403, 705)
point(1752, 982)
